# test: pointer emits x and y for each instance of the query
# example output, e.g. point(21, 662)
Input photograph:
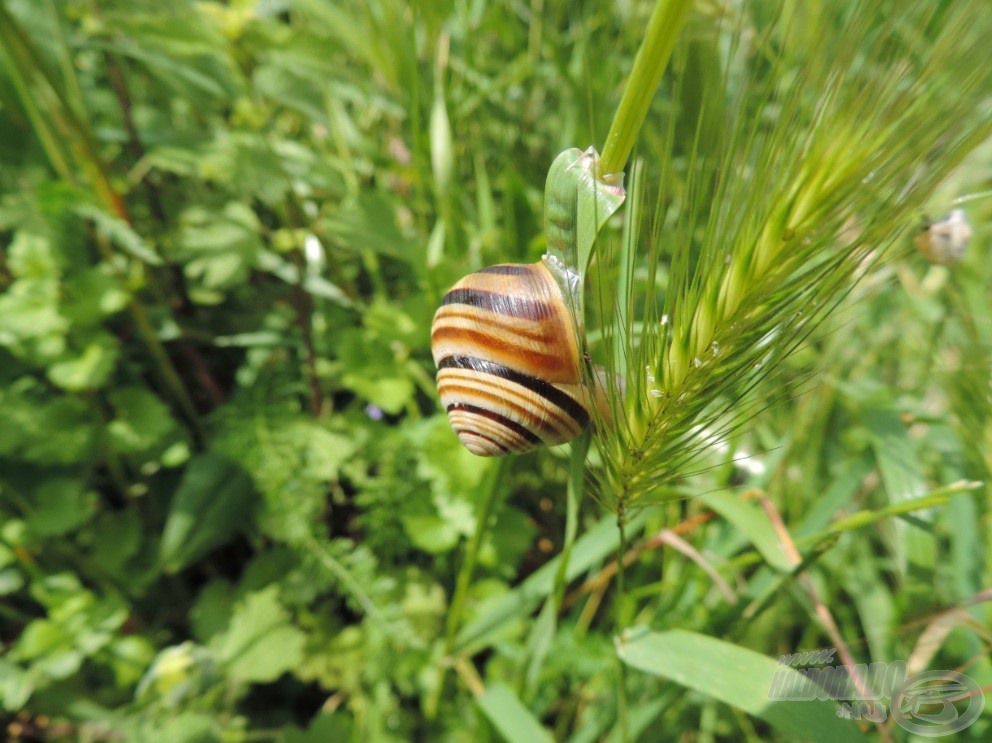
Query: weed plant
point(230, 505)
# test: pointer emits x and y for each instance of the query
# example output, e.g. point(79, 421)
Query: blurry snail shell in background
point(944, 242)
point(508, 358)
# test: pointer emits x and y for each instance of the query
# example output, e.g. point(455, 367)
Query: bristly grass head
point(807, 139)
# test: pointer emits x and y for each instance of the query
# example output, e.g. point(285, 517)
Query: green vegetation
point(231, 507)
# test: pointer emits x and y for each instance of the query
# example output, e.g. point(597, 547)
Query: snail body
point(509, 362)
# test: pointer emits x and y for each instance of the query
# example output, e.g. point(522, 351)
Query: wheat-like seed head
point(785, 195)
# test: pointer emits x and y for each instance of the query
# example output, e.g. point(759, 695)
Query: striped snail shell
point(508, 358)
point(944, 242)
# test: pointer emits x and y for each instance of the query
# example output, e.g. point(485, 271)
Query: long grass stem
point(619, 617)
point(667, 20)
point(463, 581)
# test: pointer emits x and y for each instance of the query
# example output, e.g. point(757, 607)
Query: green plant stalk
point(170, 377)
point(464, 579)
point(576, 469)
point(664, 27)
point(619, 617)
point(537, 647)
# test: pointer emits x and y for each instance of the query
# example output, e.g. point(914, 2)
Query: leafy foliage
point(230, 506)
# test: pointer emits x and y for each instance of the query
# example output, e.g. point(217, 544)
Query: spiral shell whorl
point(509, 372)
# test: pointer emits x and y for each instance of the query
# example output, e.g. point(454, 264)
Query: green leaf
point(142, 421)
point(589, 550)
point(314, 284)
point(372, 371)
point(509, 716)
point(90, 369)
point(751, 521)
point(220, 247)
point(212, 501)
point(120, 233)
point(324, 727)
point(431, 533)
point(904, 481)
point(15, 686)
point(115, 538)
point(60, 505)
point(178, 673)
point(735, 676)
point(93, 295)
point(577, 204)
point(260, 644)
point(33, 257)
point(370, 224)
point(212, 612)
point(31, 325)
point(43, 430)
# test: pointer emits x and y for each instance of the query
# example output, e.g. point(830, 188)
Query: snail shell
point(509, 369)
point(945, 242)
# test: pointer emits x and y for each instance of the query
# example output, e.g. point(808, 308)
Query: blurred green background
point(231, 506)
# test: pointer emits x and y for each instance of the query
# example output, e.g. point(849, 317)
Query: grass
point(224, 231)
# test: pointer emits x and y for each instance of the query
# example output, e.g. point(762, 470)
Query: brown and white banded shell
point(509, 370)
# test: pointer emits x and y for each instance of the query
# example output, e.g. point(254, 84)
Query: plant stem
point(303, 306)
point(490, 490)
point(619, 616)
point(576, 469)
point(667, 20)
point(170, 377)
point(304, 314)
point(135, 147)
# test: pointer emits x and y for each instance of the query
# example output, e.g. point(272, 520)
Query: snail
point(944, 242)
point(509, 363)
point(508, 339)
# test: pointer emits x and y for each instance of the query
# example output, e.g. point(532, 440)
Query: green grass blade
point(590, 549)
point(735, 676)
point(509, 716)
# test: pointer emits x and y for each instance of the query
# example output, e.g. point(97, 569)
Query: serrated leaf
point(120, 233)
point(220, 247)
point(316, 285)
point(260, 643)
point(30, 322)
